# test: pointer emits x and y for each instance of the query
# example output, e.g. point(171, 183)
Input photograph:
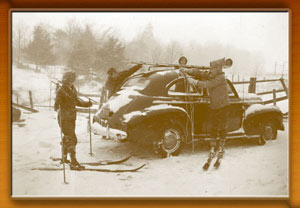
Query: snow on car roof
point(158, 81)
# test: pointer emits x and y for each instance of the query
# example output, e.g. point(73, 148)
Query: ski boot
point(65, 154)
point(65, 159)
point(220, 155)
point(75, 165)
point(211, 155)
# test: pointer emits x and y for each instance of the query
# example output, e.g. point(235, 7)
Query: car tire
point(169, 141)
point(269, 131)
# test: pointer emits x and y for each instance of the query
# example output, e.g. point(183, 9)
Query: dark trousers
point(219, 127)
point(69, 136)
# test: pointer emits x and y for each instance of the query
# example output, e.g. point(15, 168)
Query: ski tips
point(205, 166)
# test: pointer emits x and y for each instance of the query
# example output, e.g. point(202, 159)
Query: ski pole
point(90, 128)
point(62, 147)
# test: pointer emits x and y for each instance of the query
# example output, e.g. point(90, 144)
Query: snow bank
point(266, 173)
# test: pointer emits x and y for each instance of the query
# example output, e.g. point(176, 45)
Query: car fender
point(256, 114)
point(157, 113)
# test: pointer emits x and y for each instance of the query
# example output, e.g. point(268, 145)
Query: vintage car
point(161, 108)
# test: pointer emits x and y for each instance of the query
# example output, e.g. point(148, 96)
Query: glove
point(55, 107)
point(185, 70)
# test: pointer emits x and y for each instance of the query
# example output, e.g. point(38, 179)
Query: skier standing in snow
point(65, 103)
point(216, 84)
point(114, 81)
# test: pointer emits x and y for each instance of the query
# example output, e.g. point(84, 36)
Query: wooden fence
point(31, 108)
point(252, 89)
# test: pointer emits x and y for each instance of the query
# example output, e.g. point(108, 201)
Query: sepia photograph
point(157, 104)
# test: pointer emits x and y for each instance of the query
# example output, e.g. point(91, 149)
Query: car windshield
point(139, 83)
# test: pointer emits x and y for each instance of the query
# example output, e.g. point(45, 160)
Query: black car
point(162, 109)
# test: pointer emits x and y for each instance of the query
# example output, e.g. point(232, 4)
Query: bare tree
point(173, 51)
point(156, 54)
point(20, 39)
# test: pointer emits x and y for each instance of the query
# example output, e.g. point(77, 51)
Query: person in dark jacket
point(65, 103)
point(114, 82)
point(216, 84)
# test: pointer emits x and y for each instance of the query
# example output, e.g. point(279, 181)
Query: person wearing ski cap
point(114, 81)
point(65, 103)
point(216, 84)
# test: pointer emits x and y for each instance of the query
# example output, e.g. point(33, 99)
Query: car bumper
point(281, 127)
point(101, 128)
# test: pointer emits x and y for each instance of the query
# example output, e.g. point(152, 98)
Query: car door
point(204, 117)
point(186, 96)
point(196, 102)
point(236, 110)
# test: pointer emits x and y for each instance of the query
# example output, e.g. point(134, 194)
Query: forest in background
point(90, 53)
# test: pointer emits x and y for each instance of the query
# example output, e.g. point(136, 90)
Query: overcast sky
point(262, 32)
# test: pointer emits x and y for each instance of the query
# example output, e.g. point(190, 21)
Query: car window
point(137, 82)
point(229, 90)
point(179, 87)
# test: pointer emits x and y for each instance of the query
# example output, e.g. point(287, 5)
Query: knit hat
point(111, 70)
point(68, 77)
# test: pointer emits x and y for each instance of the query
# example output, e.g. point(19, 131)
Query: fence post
point(284, 86)
point(274, 97)
point(30, 99)
point(252, 85)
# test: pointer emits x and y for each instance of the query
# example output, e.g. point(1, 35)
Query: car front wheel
point(269, 132)
point(169, 142)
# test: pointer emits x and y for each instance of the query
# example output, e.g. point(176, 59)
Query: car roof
point(158, 81)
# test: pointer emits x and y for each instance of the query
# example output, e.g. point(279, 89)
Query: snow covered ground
point(246, 170)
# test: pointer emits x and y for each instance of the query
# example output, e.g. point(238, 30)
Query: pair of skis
point(99, 163)
point(209, 160)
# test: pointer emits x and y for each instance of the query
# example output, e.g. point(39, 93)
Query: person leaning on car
point(216, 84)
point(114, 81)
